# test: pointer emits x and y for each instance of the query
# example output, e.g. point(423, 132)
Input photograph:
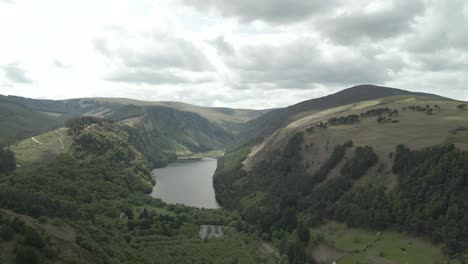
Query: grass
point(210, 154)
point(235, 157)
point(29, 151)
point(386, 249)
point(19, 122)
point(218, 115)
point(416, 130)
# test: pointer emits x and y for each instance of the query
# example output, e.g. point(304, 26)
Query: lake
point(188, 182)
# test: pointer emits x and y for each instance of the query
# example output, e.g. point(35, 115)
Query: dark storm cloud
point(14, 73)
point(270, 11)
point(301, 65)
point(350, 28)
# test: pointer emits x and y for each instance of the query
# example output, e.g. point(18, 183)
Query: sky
point(244, 53)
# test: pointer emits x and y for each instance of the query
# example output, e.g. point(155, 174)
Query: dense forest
point(280, 199)
point(97, 192)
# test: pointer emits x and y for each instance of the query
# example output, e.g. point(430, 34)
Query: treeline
point(7, 160)
point(379, 112)
point(320, 175)
point(33, 247)
point(75, 125)
point(279, 198)
point(430, 198)
point(344, 120)
point(355, 118)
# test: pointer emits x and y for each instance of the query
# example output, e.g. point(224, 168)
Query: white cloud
point(230, 53)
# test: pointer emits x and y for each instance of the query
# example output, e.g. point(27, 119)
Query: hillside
point(275, 119)
point(90, 205)
point(394, 162)
point(218, 114)
point(170, 128)
point(18, 122)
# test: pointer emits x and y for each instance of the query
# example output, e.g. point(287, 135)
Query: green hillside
point(168, 128)
point(17, 122)
point(392, 163)
point(367, 175)
point(90, 205)
point(268, 123)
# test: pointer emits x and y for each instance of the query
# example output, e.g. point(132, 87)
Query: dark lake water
point(188, 182)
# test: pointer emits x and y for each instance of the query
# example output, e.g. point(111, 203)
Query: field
point(45, 147)
point(336, 242)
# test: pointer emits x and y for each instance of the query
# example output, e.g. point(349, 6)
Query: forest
point(280, 199)
point(98, 192)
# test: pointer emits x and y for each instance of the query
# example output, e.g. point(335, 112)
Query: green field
point(46, 147)
point(351, 245)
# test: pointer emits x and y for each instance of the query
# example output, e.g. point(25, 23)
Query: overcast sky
point(242, 53)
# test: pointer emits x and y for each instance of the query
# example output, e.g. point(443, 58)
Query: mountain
point(367, 174)
point(272, 120)
point(172, 128)
point(371, 157)
point(90, 204)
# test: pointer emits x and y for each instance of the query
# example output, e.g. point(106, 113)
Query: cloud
point(7, 1)
point(152, 57)
point(270, 11)
point(376, 24)
point(14, 73)
point(155, 50)
point(442, 27)
point(60, 64)
point(153, 77)
point(301, 64)
point(222, 46)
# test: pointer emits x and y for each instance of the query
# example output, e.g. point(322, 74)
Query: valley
point(353, 177)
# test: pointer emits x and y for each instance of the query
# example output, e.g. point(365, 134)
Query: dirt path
point(60, 139)
point(37, 141)
point(269, 249)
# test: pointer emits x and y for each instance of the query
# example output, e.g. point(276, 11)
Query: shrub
point(6, 232)
point(26, 255)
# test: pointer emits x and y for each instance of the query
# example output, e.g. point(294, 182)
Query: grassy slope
point(53, 144)
point(219, 115)
point(61, 235)
point(268, 123)
point(416, 130)
point(347, 244)
point(19, 122)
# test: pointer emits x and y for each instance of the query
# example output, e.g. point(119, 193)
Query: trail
point(60, 139)
point(269, 249)
point(37, 141)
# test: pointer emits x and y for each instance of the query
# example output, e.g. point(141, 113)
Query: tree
point(462, 107)
point(7, 160)
point(26, 255)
